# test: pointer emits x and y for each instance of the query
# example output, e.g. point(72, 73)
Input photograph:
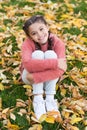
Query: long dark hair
point(30, 21)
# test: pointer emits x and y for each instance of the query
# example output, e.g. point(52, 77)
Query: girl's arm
point(44, 76)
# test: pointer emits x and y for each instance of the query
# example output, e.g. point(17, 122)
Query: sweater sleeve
point(47, 75)
point(35, 65)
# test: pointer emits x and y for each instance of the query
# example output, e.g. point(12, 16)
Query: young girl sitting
point(44, 62)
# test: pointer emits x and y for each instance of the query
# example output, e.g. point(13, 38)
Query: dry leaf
point(75, 119)
point(12, 116)
point(85, 122)
point(12, 126)
point(34, 119)
point(36, 127)
point(66, 113)
point(1, 87)
point(50, 119)
point(27, 86)
point(63, 92)
point(0, 103)
point(43, 118)
point(5, 110)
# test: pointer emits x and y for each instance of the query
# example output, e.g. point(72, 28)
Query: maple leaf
point(75, 119)
point(12, 126)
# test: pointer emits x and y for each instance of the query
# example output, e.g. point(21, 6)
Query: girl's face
point(39, 32)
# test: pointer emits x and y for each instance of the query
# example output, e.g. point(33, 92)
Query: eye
point(33, 33)
point(41, 29)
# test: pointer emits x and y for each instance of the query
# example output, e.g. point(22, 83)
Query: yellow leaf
point(1, 44)
point(1, 87)
point(57, 86)
point(12, 127)
point(74, 128)
point(84, 39)
point(50, 119)
point(53, 116)
point(66, 113)
point(85, 122)
point(43, 117)
point(0, 103)
point(50, 16)
point(79, 109)
point(27, 86)
point(63, 92)
point(75, 119)
point(63, 16)
point(36, 127)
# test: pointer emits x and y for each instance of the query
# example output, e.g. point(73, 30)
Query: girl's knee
point(24, 76)
point(50, 54)
point(38, 54)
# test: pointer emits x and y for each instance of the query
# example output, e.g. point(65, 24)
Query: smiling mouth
point(42, 38)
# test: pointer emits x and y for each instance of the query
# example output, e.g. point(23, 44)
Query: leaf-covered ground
point(66, 18)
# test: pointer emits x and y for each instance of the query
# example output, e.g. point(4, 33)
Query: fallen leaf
point(36, 127)
point(1, 86)
point(0, 103)
point(75, 119)
point(34, 119)
point(27, 86)
point(12, 126)
point(5, 110)
point(50, 119)
point(43, 117)
point(12, 116)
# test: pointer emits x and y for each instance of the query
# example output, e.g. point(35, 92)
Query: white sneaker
point(51, 105)
point(39, 108)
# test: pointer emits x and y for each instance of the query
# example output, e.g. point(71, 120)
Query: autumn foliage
point(66, 18)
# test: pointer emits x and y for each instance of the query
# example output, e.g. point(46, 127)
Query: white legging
point(49, 86)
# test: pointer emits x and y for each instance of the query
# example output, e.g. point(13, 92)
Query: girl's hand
point(62, 64)
point(30, 78)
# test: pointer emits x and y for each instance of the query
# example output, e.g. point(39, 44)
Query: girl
point(43, 61)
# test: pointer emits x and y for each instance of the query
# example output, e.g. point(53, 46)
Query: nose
point(39, 34)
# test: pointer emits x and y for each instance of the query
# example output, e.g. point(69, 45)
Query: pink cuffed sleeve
point(33, 65)
point(47, 75)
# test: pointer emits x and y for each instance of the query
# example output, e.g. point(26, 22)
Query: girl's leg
point(50, 86)
point(38, 101)
point(50, 91)
point(37, 88)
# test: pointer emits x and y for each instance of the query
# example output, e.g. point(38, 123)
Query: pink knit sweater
point(46, 69)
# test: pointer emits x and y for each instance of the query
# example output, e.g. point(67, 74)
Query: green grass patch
point(10, 95)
